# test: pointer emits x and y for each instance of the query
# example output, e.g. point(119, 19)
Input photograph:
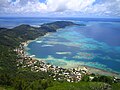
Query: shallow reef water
point(96, 45)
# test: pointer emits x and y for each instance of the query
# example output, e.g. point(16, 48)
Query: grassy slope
point(85, 86)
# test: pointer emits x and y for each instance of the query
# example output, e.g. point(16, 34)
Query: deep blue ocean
point(96, 45)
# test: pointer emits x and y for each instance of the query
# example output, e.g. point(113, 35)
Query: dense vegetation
point(12, 78)
point(19, 79)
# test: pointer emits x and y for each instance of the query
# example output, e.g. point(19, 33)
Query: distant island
point(22, 72)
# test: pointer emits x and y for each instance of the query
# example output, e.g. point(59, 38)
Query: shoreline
point(102, 72)
point(90, 69)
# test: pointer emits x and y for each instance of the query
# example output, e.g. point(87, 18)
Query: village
point(58, 73)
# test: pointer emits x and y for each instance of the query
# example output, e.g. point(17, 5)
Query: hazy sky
point(60, 8)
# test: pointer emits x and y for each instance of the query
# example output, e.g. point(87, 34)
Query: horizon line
point(59, 17)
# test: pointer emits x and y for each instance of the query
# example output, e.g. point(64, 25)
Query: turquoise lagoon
point(96, 45)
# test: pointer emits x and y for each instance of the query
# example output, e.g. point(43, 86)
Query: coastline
point(25, 44)
point(90, 70)
point(102, 72)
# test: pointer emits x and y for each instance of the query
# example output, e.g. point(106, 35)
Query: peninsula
point(13, 37)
